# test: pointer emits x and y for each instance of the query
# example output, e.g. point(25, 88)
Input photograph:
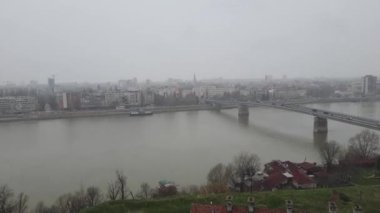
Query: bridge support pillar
point(320, 139)
point(243, 111)
point(320, 125)
point(217, 106)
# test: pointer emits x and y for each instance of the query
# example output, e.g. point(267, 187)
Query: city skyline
point(165, 80)
point(189, 106)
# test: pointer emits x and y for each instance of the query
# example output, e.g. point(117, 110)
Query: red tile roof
point(207, 208)
point(275, 170)
point(298, 176)
point(306, 165)
point(274, 166)
point(274, 180)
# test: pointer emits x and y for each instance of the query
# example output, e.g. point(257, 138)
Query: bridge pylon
point(320, 125)
point(217, 106)
point(320, 139)
point(243, 111)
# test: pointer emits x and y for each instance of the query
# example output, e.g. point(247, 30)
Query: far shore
point(157, 109)
point(96, 113)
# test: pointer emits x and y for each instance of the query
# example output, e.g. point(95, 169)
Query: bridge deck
point(341, 117)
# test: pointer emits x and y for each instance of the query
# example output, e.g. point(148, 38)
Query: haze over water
point(47, 158)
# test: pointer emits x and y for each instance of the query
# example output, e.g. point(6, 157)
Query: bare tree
point(244, 165)
point(40, 208)
point(77, 201)
point(217, 174)
point(364, 145)
point(190, 189)
point(63, 203)
point(93, 196)
point(131, 193)
point(72, 203)
point(229, 172)
point(113, 191)
point(52, 209)
point(329, 152)
point(219, 177)
point(121, 181)
point(6, 203)
point(145, 189)
point(22, 203)
point(193, 189)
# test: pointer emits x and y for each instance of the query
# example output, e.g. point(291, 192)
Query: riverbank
point(157, 109)
point(96, 113)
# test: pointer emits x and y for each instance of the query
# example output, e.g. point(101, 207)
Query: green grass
point(313, 200)
point(366, 177)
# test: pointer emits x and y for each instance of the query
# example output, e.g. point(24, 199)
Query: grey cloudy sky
point(107, 40)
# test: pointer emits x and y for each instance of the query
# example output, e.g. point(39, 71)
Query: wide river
point(47, 158)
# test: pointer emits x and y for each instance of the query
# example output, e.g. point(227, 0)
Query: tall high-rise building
point(51, 83)
point(369, 85)
point(128, 84)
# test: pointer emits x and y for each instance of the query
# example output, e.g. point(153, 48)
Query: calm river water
point(47, 158)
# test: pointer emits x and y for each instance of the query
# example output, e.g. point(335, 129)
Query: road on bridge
point(341, 117)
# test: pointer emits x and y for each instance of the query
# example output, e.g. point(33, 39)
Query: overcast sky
point(107, 40)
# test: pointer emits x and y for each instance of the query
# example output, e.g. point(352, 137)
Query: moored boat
point(140, 113)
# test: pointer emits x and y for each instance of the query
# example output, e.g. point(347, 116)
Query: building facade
point(68, 101)
point(369, 85)
point(17, 104)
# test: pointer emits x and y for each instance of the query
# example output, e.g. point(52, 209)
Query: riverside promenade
point(95, 113)
point(156, 109)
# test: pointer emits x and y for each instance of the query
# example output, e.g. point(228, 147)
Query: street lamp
point(251, 204)
point(332, 207)
point(357, 209)
point(229, 204)
point(289, 206)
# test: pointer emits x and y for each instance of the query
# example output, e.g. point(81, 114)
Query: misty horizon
point(209, 80)
point(95, 41)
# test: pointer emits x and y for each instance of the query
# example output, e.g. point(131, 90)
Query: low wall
point(96, 113)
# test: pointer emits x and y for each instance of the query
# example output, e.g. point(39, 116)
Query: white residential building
point(18, 104)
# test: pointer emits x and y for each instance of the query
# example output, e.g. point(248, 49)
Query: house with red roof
point(274, 181)
point(284, 174)
point(300, 178)
point(310, 168)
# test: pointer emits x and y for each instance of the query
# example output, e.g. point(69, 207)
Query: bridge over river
point(320, 116)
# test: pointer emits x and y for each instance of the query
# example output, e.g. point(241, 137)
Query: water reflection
point(156, 147)
point(243, 120)
point(257, 130)
point(369, 107)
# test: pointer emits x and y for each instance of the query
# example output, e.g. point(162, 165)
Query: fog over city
point(94, 41)
point(193, 106)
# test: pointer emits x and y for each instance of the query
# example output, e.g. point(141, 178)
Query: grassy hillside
point(314, 200)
